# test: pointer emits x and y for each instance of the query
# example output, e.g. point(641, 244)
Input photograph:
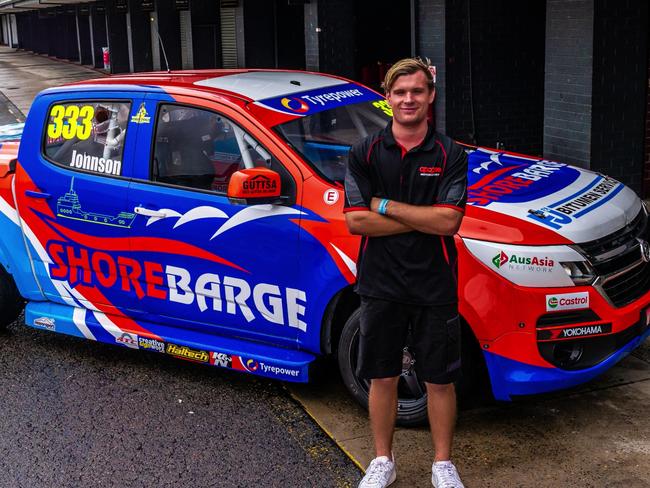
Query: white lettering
point(294, 309)
point(179, 278)
point(207, 285)
point(240, 298)
point(272, 313)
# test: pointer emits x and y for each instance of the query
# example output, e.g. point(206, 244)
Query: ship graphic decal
point(69, 207)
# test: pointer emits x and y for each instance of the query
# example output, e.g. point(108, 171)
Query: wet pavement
point(78, 413)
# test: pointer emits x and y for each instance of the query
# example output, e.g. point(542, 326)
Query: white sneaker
point(380, 473)
point(444, 475)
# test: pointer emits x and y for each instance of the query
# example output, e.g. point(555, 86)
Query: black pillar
point(141, 34)
point(100, 40)
point(206, 34)
point(52, 45)
point(83, 19)
point(117, 35)
point(69, 33)
point(169, 29)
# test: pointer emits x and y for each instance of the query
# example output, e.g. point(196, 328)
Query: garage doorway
point(383, 35)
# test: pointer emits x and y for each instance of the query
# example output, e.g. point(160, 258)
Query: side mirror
point(255, 186)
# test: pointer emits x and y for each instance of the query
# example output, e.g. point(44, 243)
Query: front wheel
point(412, 395)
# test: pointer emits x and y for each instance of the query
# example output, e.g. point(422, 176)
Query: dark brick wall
point(431, 44)
point(646, 176)
point(336, 19)
point(312, 61)
point(258, 34)
point(568, 81)
point(504, 101)
point(619, 89)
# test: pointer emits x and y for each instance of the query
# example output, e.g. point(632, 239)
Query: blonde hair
point(408, 66)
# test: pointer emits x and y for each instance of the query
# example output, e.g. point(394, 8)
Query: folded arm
point(429, 219)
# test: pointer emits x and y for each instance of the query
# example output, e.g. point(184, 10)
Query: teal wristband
point(383, 204)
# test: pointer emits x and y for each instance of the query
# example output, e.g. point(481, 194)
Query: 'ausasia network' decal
point(510, 179)
point(310, 102)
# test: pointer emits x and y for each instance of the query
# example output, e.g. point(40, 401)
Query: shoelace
point(377, 471)
point(447, 475)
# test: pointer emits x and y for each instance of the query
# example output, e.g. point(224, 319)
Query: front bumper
point(511, 378)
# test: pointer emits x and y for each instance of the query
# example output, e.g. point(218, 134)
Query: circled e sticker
point(331, 196)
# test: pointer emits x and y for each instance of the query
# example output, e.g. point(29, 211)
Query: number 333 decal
point(70, 121)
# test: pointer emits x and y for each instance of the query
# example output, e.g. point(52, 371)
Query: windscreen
point(324, 138)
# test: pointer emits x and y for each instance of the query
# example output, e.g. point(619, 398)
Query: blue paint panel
point(510, 377)
point(511, 179)
point(259, 359)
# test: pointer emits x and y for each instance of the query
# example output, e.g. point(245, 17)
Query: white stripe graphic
point(79, 319)
point(9, 211)
point(352, 266)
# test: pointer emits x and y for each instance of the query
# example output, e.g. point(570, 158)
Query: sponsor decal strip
point(575, 332)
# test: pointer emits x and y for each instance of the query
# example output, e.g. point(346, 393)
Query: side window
point(87, 135)
point(201, 149)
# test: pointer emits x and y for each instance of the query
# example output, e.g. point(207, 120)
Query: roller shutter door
point(228, 34)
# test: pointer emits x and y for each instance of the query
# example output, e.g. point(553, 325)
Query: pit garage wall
point(596, 86)
point(619, 89)
point(495, 73)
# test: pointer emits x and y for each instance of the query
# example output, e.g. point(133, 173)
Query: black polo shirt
point(413, 267)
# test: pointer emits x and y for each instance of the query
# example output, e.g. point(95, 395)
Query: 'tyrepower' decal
point(313, 101)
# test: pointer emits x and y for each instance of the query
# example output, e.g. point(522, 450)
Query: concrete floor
point(598, 435)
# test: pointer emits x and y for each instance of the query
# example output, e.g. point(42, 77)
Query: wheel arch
point(338, 310)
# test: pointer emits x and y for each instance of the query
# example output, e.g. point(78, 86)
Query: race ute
point(198, 214)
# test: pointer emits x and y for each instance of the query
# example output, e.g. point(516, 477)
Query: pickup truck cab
point(199, 214)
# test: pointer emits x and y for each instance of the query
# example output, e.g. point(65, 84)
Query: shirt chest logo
point(430, 171)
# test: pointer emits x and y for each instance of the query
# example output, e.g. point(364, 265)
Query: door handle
point(150, 213)
point(37, 194)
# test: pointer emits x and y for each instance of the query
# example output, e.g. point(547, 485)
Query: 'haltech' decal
point(184, 352)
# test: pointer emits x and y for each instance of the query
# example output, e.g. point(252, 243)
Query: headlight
point(580, 272)
point(534, 266)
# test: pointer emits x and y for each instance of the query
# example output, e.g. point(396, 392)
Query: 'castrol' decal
point(567, 301)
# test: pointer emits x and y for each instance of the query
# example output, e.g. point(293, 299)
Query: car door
point(212, 266)
point(71, 190)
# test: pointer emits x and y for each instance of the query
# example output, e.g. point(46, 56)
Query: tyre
point(11, 303)
point(412, 396)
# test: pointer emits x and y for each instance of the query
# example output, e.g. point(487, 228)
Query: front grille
point(617, 260)
point(629, 286)
point(556, 319)
point(627, 234)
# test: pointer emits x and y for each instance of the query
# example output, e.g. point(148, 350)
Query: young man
point(405, 190)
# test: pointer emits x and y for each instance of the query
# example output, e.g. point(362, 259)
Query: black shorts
point(431, 332)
